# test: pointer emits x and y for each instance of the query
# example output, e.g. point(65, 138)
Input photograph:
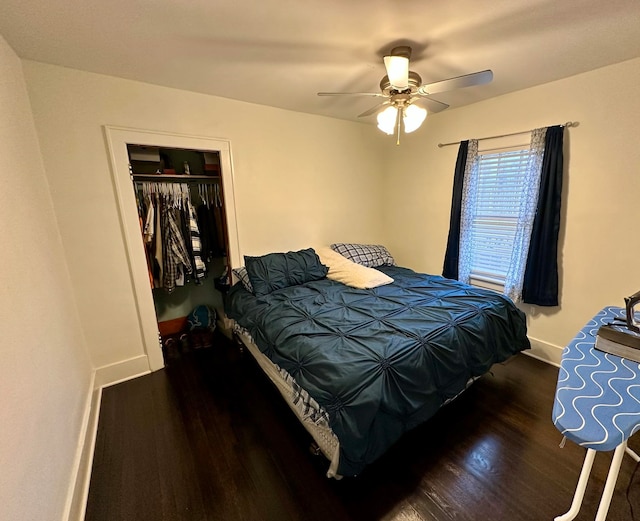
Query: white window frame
point(492, 168)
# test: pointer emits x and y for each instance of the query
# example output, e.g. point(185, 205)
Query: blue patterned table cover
point(597, 402)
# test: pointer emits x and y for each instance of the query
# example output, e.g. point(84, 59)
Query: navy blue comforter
point(381, 361)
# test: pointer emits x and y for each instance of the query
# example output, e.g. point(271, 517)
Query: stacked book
point(620, 341)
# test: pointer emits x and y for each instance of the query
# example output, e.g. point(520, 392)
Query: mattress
point(380, 361)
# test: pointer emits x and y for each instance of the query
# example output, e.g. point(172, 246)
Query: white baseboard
point(545, 351)
point(121, 371)
point(74, 500)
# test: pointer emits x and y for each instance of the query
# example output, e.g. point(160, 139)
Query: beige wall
point(45, 374)
point(599, 249)
point(299, 180)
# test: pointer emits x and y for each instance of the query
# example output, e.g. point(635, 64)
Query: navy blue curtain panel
point(540, 285)
point(450, 269)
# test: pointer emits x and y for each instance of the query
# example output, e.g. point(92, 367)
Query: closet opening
point(179, 197)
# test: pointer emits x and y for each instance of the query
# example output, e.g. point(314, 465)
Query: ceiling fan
point(404, 93)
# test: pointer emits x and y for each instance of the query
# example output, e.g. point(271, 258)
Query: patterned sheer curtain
point(469, 190)
point(527, 213)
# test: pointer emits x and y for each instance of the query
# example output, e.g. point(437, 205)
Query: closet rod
point(567, 124)
point(180, 178)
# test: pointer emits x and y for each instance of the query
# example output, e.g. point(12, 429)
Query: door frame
point(117, 140)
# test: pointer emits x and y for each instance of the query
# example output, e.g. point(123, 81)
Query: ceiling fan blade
point(375, 94)
point(373, 110)
point(459, 82)
point(432, 105)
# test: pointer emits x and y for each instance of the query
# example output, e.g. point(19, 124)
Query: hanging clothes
point(209, 214)
point(179, 239)
point(146, 254)
point(196, 247)
point(208, 234)
point(183, 222)
point(219, 220)
point(147, 227)
point(158, 249)
point(176, 258)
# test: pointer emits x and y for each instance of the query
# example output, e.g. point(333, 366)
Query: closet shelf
point(174, 177)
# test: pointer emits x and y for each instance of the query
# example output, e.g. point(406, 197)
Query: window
point(493, 213)
point(501, 183)
point(499, 200)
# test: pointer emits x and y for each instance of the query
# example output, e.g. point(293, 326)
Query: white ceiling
point(281, 52)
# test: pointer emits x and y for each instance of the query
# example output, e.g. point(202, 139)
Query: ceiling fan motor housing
point(415, 81)
point(402, 50)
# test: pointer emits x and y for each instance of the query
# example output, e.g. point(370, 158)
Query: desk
point(597, 406)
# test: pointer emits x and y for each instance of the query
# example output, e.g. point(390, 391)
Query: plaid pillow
point(370, 255)
point(243, 276)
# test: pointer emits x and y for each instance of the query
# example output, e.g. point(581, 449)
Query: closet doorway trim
point(117, 140)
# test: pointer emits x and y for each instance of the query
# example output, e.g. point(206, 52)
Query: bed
point(362, 366)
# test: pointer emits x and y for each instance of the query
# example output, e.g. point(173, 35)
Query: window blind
point(501, 181)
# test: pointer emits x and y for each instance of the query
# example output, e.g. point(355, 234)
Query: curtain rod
point(567, 124)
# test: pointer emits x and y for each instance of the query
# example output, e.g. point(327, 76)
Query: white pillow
point(348, 272)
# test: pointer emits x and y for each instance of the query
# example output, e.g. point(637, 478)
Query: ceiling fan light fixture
point(387, 120)
point(398, 71)
point(413, 117)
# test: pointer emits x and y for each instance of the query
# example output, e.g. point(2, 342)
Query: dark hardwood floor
point(209, 438)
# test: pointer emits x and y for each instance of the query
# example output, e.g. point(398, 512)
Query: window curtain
point(526, 214)
point(533, 275)
point(450, 269)
point(469, 196)
point(540, 285)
